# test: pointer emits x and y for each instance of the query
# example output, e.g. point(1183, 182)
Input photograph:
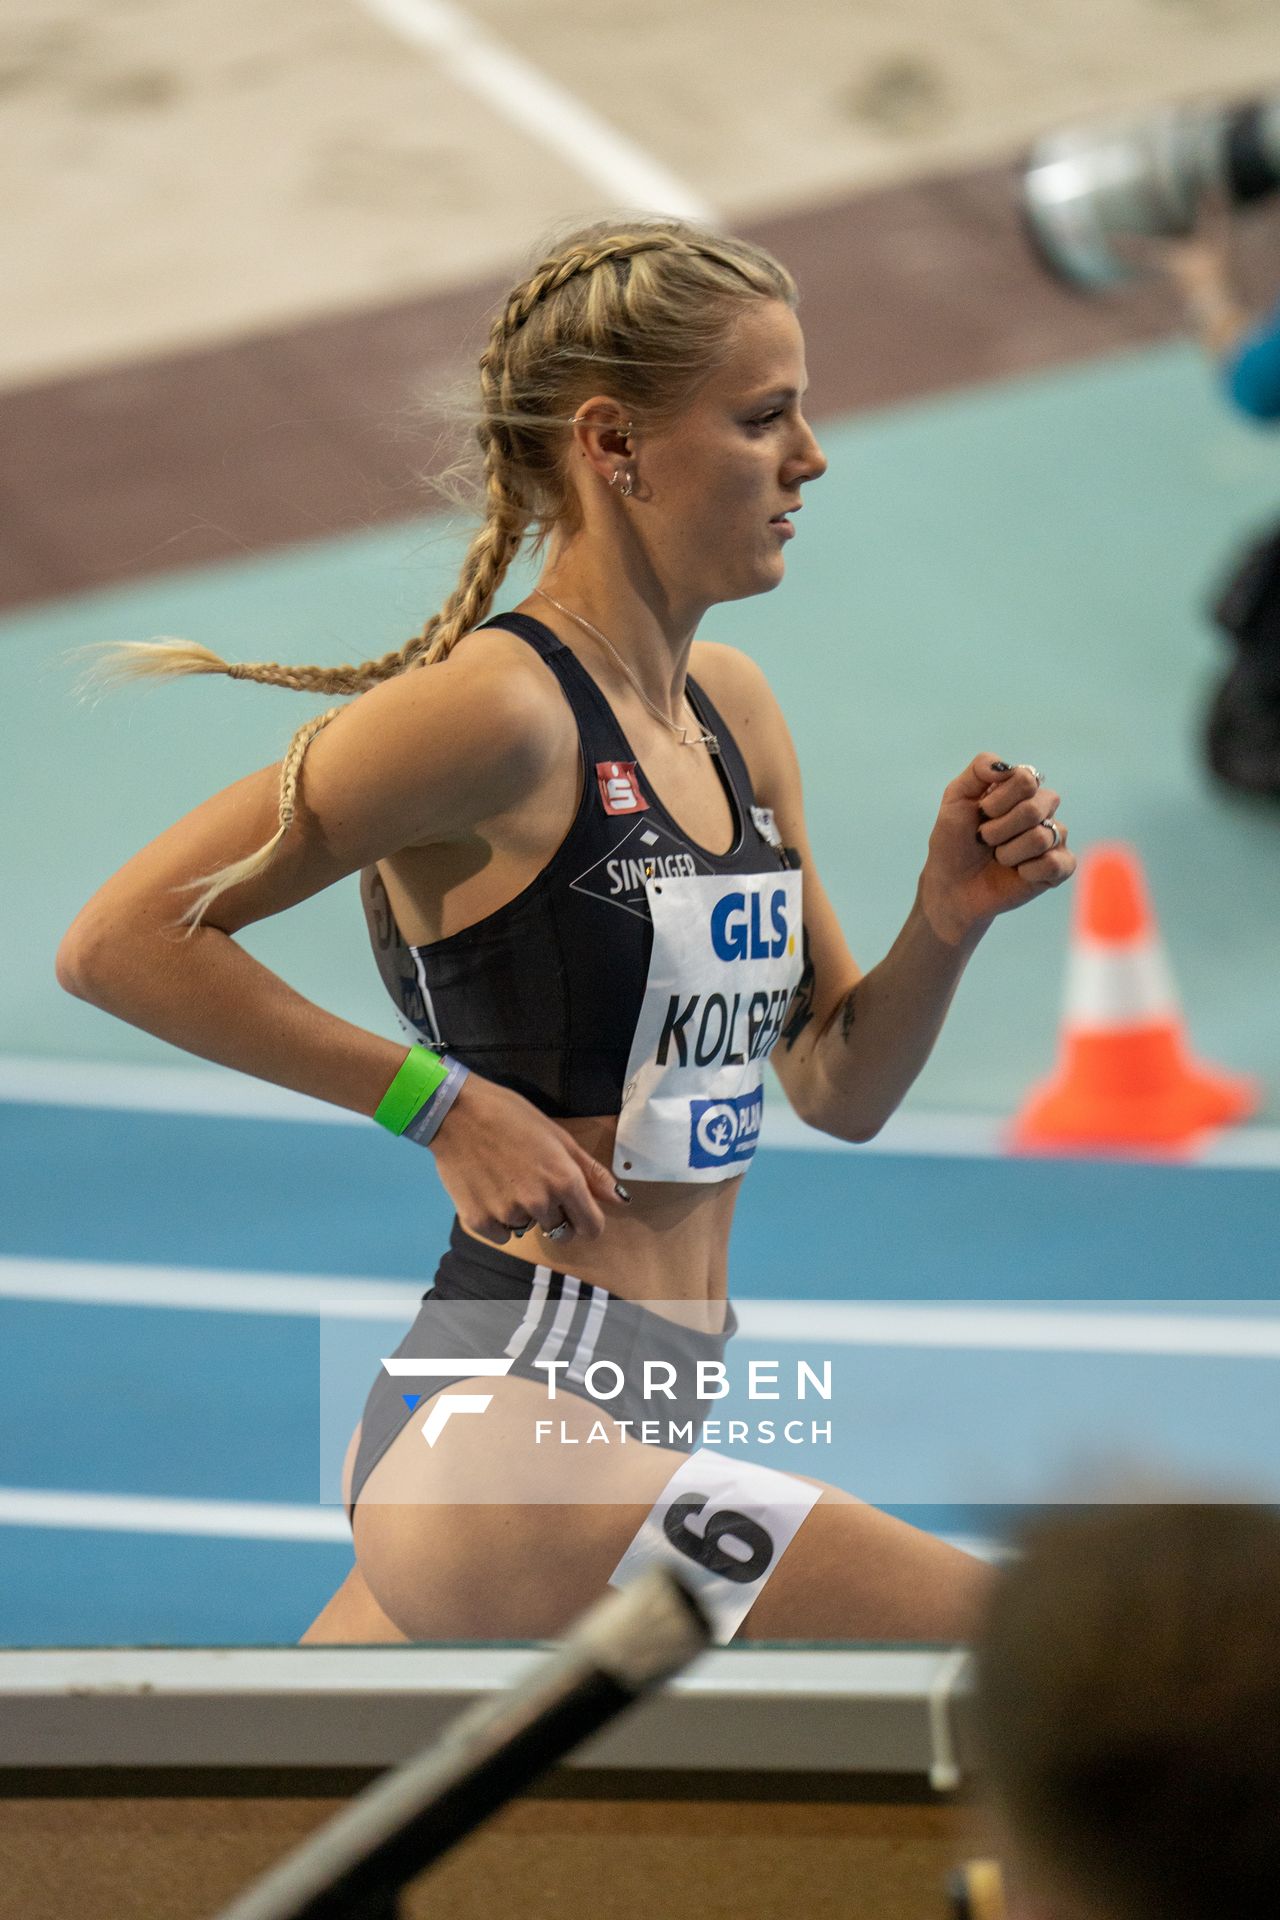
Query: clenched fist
point(995, 845)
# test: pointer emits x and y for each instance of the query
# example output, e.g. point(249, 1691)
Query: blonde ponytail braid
point(485, 567)
point(209, 885)
point(488, 558)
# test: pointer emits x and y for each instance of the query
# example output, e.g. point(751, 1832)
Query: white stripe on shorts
point(559, 1330)
point(532, 1313)
point(590, 1334)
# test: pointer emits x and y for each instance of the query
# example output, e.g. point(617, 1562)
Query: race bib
point(726, 959)
point(721, 1526)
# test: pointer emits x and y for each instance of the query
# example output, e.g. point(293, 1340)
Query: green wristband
point(420, 1074)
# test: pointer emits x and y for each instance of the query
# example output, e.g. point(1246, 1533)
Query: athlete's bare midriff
point(672, 1243)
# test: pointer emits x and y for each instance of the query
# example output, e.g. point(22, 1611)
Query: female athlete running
point(592, 896)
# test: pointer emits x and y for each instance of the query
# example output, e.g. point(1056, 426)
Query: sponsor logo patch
point(766, 826)
point(724, 1131)
point(620, 787)
point(743, 929)
point(647, 852)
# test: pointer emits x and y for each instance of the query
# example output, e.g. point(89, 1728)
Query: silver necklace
point(704, 739)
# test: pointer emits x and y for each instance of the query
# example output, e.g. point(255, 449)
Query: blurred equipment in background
point(1087, 187)
point(977, 1891)
point(1242, 730)
point(1124, 1079)
point(1156, 195)
point(627, 1645)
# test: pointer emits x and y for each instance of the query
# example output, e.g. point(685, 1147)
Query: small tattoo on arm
point(848, 1013)
point(800, 1012)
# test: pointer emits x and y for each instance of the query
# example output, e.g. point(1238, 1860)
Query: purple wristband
point(425, 1123)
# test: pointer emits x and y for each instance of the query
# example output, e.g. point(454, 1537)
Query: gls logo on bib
point(722, 1131)
point(736, 932)
point(722, 969)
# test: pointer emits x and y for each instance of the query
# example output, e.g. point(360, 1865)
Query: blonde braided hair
point(650, 331)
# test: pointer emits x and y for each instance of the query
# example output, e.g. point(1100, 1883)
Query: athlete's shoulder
point(498, 664)
point(436, 749)
point(714, 664)
point(740, 689)
point(491, 692)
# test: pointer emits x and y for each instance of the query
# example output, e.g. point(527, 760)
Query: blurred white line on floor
point(528, 99)
point(233, 1519)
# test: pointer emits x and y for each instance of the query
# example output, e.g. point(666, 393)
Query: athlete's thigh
point(352, 1618)
point(349, 1465)
point(492, 1533)
point(855, 1573)
point(510, 1540)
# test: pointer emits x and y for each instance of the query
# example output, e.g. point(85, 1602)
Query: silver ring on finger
point(1039, 777)
point(557, 1232)
point(1058, 836)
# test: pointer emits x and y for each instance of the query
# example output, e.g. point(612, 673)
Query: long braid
point(209, 885)
point(489, 556)
point(509, 499)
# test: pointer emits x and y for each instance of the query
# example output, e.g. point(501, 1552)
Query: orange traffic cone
point(1124, 1078)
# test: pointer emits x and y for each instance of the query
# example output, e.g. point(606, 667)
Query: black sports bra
point(544, 994)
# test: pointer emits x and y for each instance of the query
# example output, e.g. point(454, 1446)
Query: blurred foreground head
point(1129, 1713)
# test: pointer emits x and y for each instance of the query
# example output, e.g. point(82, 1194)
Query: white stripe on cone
point(1114, 984)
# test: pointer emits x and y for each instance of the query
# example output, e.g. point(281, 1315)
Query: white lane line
point(1030, 1328)
point(217, 1092)
point(968, 1136)
point(979, 1136)
point(1242, 1147)
point(236, 1519)
point(206, 1290)
point(1024, 1329)
point(529, 100)
point(148, 1513)
point(198, 1091)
